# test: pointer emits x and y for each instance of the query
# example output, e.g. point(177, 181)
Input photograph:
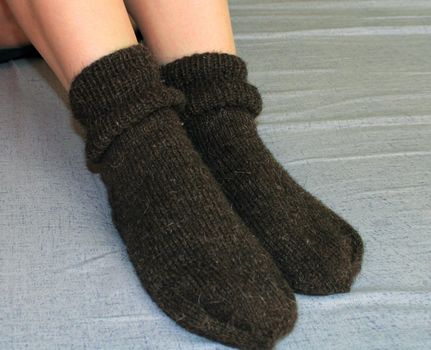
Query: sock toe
point(357, 247)
point(266, 318)
point(249, 315)
point(326, 271)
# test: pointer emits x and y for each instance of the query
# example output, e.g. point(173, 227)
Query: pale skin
point(72, 34)
point(11, 34)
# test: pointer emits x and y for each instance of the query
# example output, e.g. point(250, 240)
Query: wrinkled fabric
point(347, 110)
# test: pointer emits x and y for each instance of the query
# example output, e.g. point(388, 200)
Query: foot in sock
point(317, 251)
point(193, 254)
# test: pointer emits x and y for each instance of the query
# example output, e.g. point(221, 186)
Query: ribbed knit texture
point(318, 252)
point(192, 253)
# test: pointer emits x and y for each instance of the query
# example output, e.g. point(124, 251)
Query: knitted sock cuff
point(200, 68)
point(212, 81)
point(117, 91)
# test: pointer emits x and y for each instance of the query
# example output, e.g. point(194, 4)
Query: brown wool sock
point(318, 252)
point(191, 251)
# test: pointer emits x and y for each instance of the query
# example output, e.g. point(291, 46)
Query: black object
point(28, 51)
point(14, 53)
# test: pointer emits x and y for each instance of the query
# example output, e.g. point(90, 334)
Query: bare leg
point(176, 28)
point(72, 34)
